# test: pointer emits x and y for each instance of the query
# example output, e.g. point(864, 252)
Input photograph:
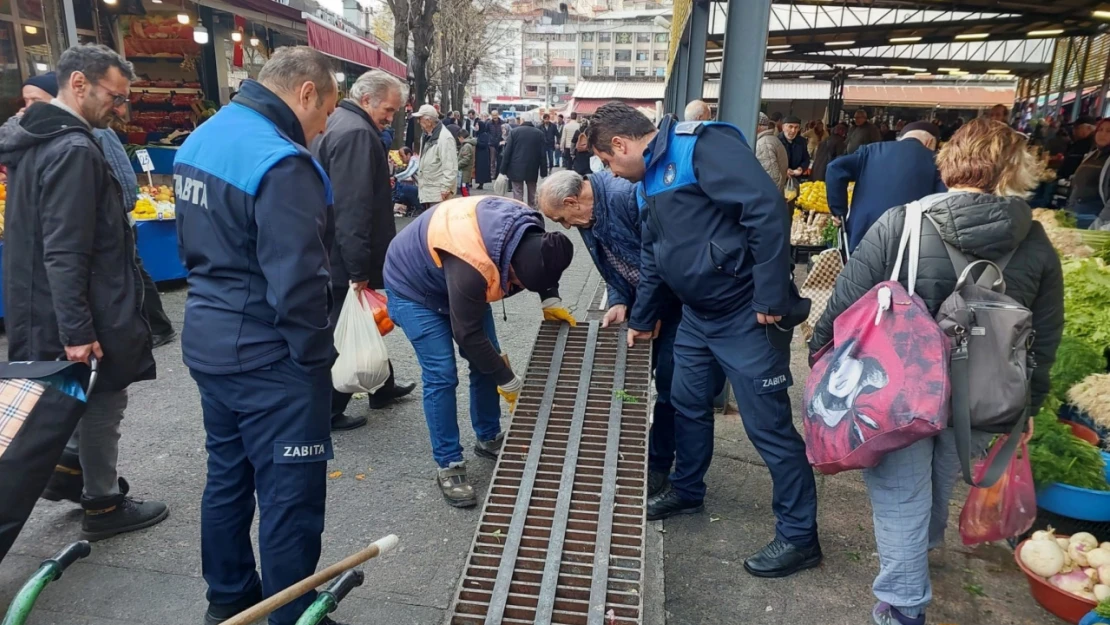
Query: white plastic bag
point(363, 363)
point(501, 185)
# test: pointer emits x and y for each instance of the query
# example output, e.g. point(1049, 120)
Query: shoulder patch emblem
point(687, 128)
point(669, 173)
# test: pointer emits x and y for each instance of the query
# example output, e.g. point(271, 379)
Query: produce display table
point(161, 155)
point(158, 249)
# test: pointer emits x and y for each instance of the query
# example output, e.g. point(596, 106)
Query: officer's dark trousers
point(756, 359)
point(268, 432)
point(661, 443)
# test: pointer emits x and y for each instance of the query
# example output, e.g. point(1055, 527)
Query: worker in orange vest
point(441, 274)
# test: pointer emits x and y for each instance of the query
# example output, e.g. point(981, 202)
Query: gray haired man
point(72, 281)
point(352, 153)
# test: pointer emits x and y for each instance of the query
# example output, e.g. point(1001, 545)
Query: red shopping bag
point(1006, 509)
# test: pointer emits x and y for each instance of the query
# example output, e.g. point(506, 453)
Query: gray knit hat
point(764, 121)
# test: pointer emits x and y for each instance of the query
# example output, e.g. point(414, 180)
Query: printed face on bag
point(844, 381)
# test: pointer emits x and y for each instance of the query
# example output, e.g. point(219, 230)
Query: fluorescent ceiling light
point(958, 73)
point(806, 77)
point(845, 43)
point(905, 39)
point(780, 47)
point(909, 69)
point(972, 36)
point(998, 71)
point(855, 75)
point(1102, 15)
point(890, 75)
point(948, 69)
point(781, 51)
point(1045, 33)
point(922, 74)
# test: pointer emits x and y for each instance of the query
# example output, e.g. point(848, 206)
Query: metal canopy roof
point(927, 34)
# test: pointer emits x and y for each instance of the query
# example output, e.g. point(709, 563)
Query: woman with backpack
point(988, 171)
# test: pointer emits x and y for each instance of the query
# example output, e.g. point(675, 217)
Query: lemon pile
point(814, 197)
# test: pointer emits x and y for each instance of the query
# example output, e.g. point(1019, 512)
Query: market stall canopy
point(352, 48)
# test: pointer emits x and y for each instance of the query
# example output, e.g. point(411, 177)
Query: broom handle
point(252, 614)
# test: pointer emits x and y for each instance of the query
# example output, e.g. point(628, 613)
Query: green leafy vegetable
point(1075, 360)
point(625, 396)
point(1087, 301)
point(1058, 456)
point(1103, 609)
point(830, 233)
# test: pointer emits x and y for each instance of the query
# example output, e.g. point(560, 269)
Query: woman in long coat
point(482, 154)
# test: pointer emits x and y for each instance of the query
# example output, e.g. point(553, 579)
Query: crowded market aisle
point(382, 487)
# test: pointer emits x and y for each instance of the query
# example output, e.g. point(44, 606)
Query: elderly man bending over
point(603, 209)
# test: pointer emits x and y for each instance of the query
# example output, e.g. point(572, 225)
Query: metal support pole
point(682, 76)
point(699, 34)
point(742, 64)
point(1077, 107)
point(1063, 79)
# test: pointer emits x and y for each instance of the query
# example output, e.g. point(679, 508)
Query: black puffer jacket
point(980, 225)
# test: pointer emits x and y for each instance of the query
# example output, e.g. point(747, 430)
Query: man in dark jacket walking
point(797, 147)
point(716, 235)
point(72, 285)
point(830, 149)
point(253, 230)
point(351, 152)
point(551, 138)
point(524, 160)
point(887, 174)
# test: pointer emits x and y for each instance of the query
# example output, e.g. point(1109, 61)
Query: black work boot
point(781, 559)
point(657, 481)
point(390, 392)
point(342, 422)
point(219, 612)
point(456, 489)
point(116, 514)
point(66, 482)
point(489, 449)
point(671, 504)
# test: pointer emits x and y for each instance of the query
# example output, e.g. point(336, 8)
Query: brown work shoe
point(455, 487)
point(489, 449)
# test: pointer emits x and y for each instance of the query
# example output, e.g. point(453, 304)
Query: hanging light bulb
point(200, 35)
point(254, 41)
point(110, 2)
point(183, 18)
point(340, 76)
point(236, 36)
point(30, 30)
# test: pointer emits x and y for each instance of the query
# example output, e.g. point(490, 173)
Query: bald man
point(697, 111)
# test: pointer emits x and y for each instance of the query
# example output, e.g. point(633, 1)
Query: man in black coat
point(551, 138)
point(797, 147)
point(524, 160)
point(72, 284)
point(352, 154)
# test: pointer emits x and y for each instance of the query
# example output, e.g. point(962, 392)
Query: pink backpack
point(883, 383)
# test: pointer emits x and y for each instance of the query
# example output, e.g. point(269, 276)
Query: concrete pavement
point(382, 484)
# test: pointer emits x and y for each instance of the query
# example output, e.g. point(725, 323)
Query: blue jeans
point(909, 490)
point(406, 193)
point(430, 335)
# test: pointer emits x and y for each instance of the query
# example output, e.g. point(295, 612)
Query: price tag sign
point(144, 160)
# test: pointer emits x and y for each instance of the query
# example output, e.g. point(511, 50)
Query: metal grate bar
point(600, 582)
point(562, 504)
point(566, 527)
point(516, 528)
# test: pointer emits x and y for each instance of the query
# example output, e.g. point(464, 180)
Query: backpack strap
point(911, 239)
point(961, 422)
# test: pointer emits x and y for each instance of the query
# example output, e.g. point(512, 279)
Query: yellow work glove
point(510, 391)
point(553, 310)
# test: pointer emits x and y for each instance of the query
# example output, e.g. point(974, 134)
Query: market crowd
point(695, 257)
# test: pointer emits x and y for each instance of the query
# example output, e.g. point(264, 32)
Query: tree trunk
point(423, 33)
point(401, 51)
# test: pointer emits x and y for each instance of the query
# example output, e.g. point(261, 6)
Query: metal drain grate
point(561, 537)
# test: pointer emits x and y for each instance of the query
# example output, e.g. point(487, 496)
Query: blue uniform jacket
point(253, 231)
point(616, 227)
point(887, 174)
point(715, 228)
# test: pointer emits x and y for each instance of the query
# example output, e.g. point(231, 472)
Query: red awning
point(334, 42)
point(589, 107)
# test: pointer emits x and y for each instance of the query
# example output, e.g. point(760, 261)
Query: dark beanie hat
point(46, 82)
point(922, 125)
point(540, 259)
point(792, 119)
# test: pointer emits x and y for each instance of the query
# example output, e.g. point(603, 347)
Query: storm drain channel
point(561, 536)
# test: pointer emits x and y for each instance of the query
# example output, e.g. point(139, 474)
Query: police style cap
point(541, 258)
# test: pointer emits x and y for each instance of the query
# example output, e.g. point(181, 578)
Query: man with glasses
point(72, 282)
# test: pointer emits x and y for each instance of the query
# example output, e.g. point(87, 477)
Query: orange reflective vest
point(453, 228)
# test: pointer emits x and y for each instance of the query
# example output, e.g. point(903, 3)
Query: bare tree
point(469, 36)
